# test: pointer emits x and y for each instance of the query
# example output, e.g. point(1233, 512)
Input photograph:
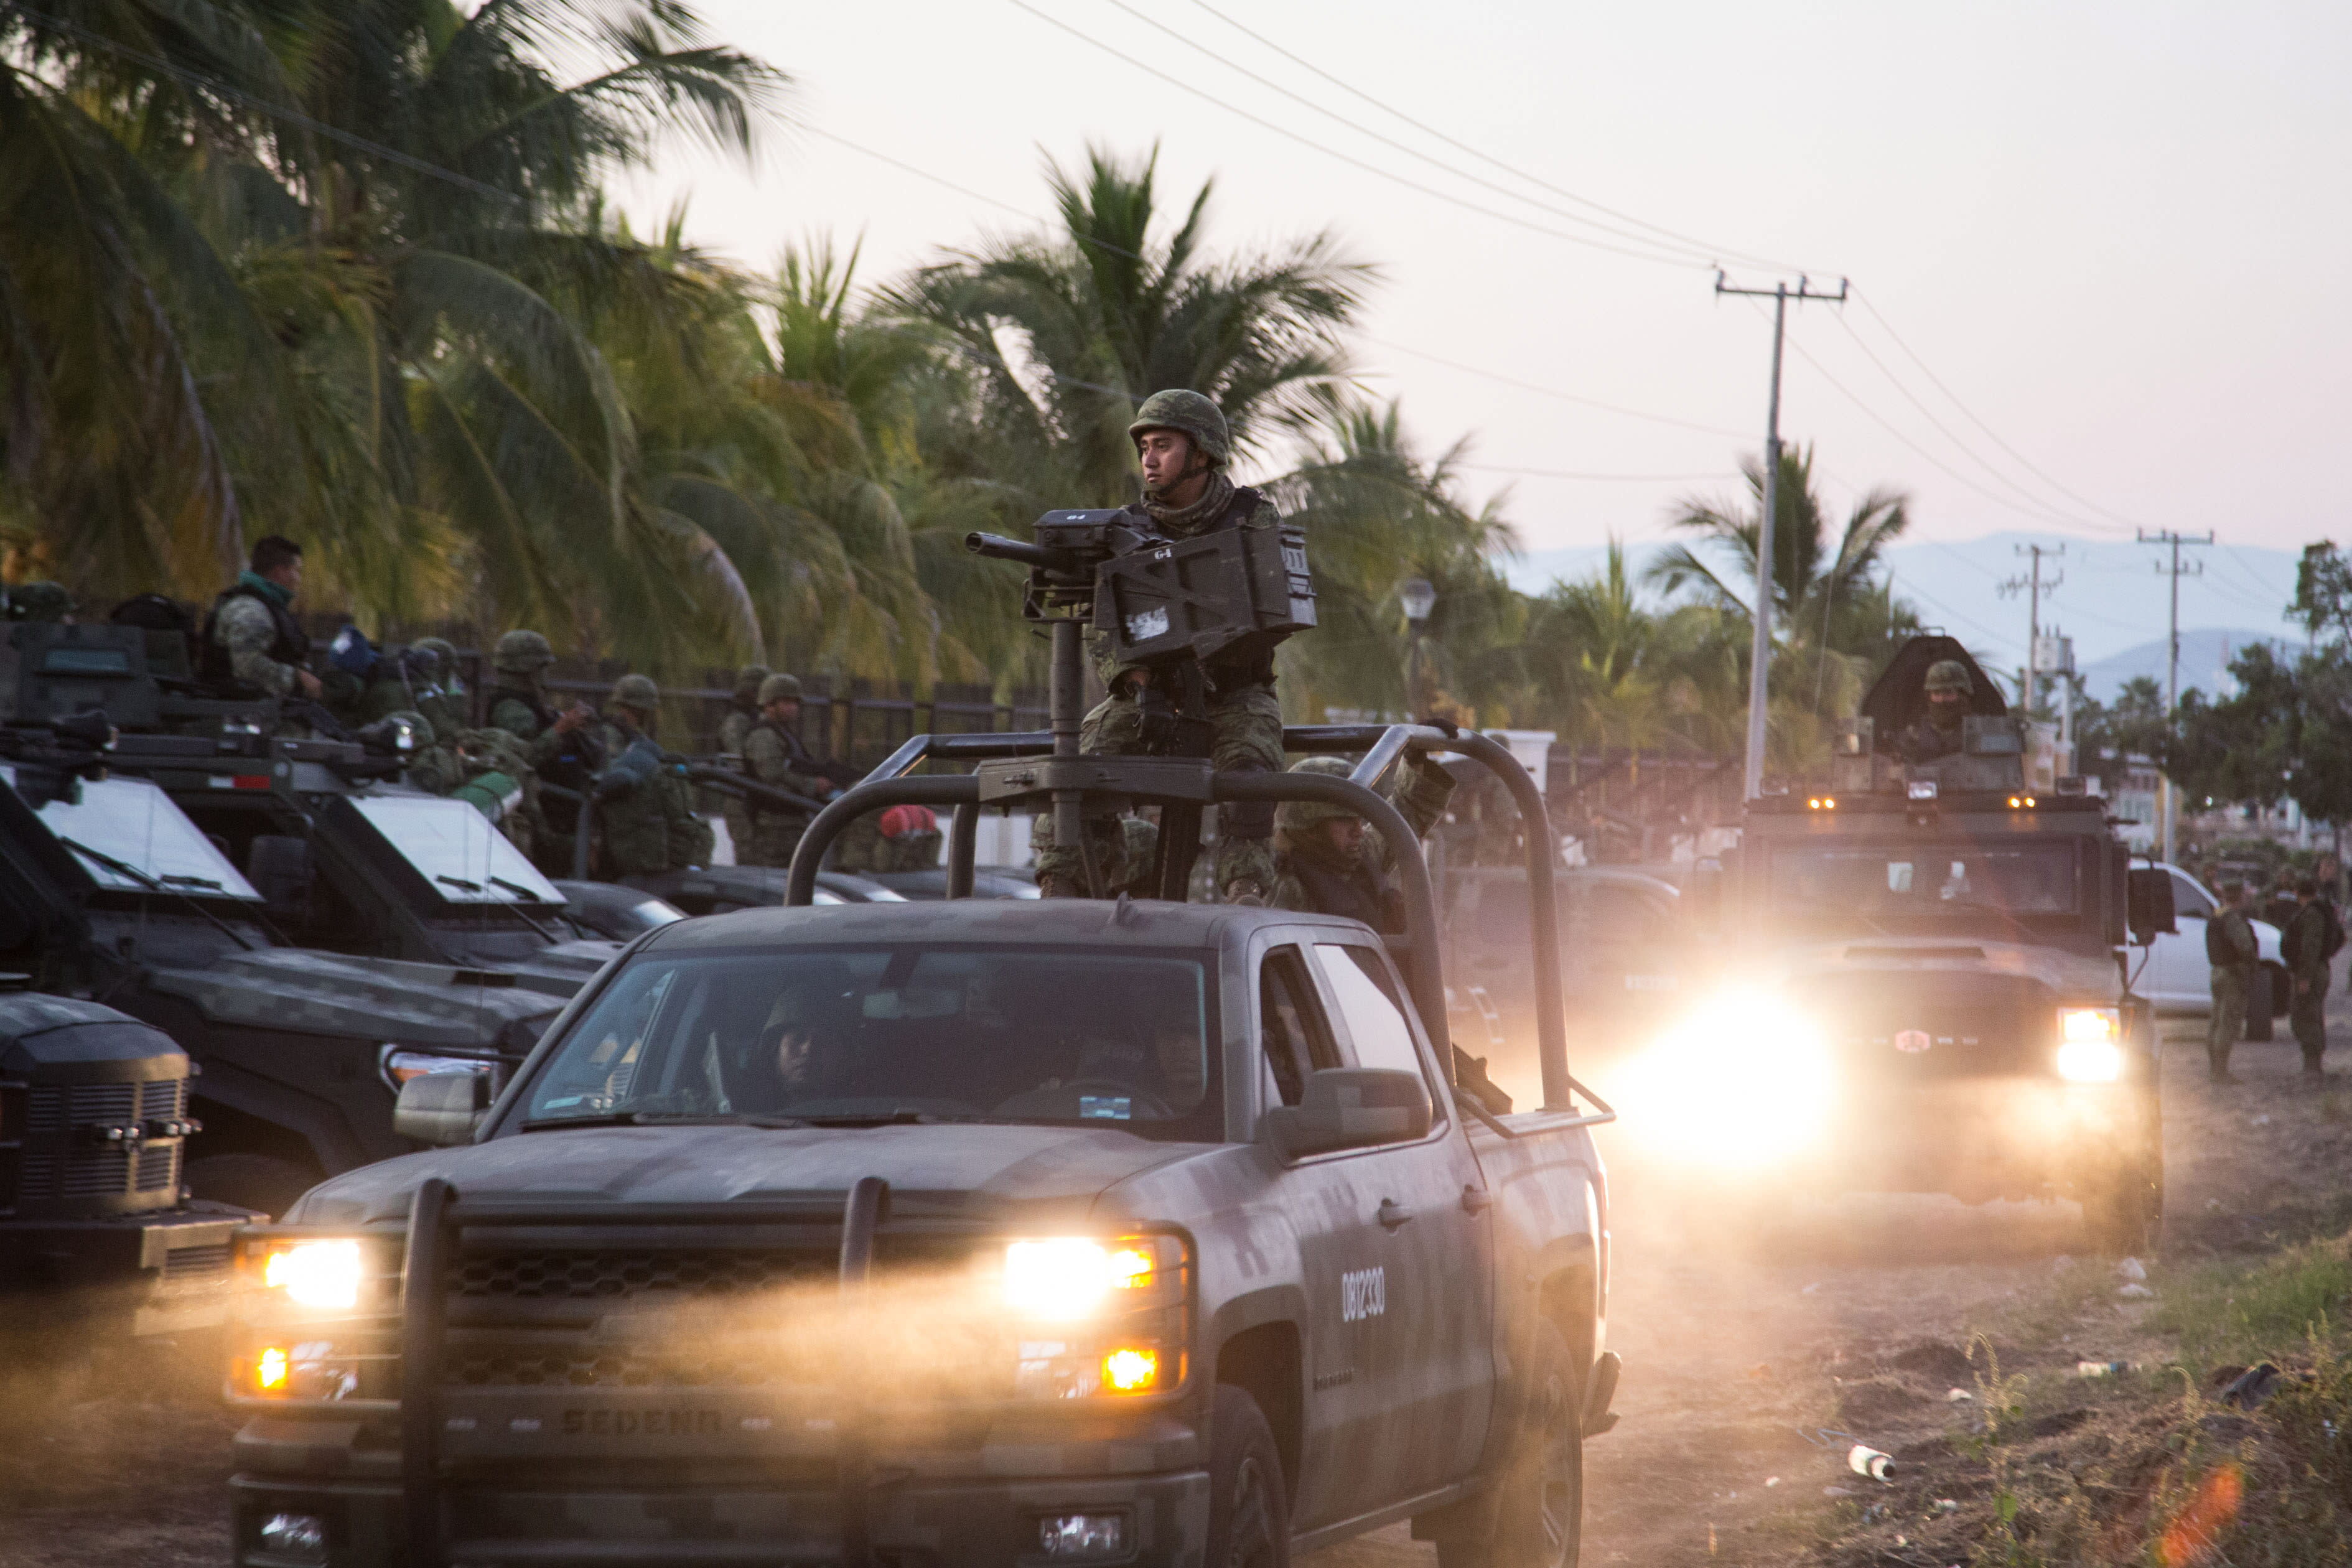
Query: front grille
point(527, 1369)
point(164, 1098)
point(616, 1274)
point(196, 1262)
point(159, 1167)
point(55, 1107)
point(1972, 1025)
point(57, 1166)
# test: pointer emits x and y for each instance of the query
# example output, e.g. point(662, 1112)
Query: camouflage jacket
point(649, 824)
point(773, 755)
point(244, 627)
point(733, 728)
point(1307, 879)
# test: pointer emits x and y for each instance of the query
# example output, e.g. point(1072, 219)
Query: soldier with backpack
point(2314, 935)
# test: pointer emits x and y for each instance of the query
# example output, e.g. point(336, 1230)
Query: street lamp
point(1418, 598)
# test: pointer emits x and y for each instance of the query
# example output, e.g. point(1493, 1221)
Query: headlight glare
point(1064, 1278)
point(2090, 1044)
point(322, 1275)
point(2090, 1024)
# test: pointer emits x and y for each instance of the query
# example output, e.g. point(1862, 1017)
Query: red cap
point(901, 821)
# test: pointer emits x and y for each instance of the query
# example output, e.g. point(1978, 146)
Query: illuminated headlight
point(2090, 1045)
point(1105, 1317)
point(397, 1064)
point(325, 1276)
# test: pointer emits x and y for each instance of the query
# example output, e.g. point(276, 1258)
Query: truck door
point(2183, 977)
point(1431, 1346)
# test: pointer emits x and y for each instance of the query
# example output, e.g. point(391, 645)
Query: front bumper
point(1986, 1138)
point(168, 1268)
point(915, 1524)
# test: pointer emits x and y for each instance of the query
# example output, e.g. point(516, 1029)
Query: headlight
point(1743, 1081)
point(322, 1275)
point(1098, 1317)
point(397, 1064)
point(2090, 1044)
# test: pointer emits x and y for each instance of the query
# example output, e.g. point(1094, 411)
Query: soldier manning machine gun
point(1152, 599)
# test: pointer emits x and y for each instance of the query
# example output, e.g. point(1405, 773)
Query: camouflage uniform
point(645, 807)
point(1310, 875)
point(742, 712)
point(1244, 716)
point(2303, 945)
point(773, 755)
point(440, 690)
point(257, 648)
point(518, 707)
point(2230, 984)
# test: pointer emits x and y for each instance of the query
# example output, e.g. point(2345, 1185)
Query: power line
point(1554, 391)
point(1700, 255)
point(1346, 158)
point(1567, 474)
point(1427, 130)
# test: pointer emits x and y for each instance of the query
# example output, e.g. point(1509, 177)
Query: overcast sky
point(2116, 232)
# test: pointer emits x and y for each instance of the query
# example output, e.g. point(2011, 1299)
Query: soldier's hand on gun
point(308, 684)
point(572, 718)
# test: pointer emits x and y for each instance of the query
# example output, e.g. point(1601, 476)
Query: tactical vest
point(288, 645)
point(574, 768)
point(1358, 893)
point(1237, 671)
point(798, 751)
point(539, 709)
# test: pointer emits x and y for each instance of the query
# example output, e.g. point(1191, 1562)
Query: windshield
point(971, 1034)
point(133, 822)
point(456, 849)
point(1896, 886)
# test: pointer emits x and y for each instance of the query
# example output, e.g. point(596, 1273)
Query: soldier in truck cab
point(1939, 734)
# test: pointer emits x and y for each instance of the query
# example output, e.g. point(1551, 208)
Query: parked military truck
point(965, 1231)
point(94, 1116)
point(110, 893)
point(1932, 986)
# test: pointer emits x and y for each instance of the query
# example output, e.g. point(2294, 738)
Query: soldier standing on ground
point(742, 712)
point(774, 756)
point(563, 749)
point(1328, 860)
point(2310, 940)
point(643, 804)
point(252, 645)
point(1183, 445)
point(2232, 952)
point(1940, 732)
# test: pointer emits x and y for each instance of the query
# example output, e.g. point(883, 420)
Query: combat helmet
point(37, 602)
point(637, 692)
point(1182, 410)
point(780, 689)
point(521, 652)
point(1950, 675)
point(748, 681)
point(444, 659)
point(1298, 815)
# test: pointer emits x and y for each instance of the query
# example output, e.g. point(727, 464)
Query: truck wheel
point(2122, 1208)
point(262, 1182)
point(1537, 1519)
point(1249, 1515)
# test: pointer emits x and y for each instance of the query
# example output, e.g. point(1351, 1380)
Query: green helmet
point(780, 689)
point(747, 683)
point(445, 658)
point(1192, 415)
point(1950, 675)
point(1297, 816)
point(39, 601)
point(420, 727)
point(521, 653)
point(637, 692)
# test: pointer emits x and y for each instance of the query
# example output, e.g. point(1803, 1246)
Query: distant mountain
point(2205, 657)
point(2109, 597)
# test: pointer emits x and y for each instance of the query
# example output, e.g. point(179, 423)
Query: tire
point(262, 1182)
point(1249, 1506)
point(2123, 1209)
point(1537, 1516)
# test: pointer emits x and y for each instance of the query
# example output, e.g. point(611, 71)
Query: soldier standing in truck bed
point(742, 712)
point(1327, 861)
point(1183, 445)
point(774, 754)
point(643, 804)
point(252, 645)
point(563, 749)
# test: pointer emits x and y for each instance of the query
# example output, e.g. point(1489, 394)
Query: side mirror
point(442, 1108)
point(2150, 905)
point(1348, 1108)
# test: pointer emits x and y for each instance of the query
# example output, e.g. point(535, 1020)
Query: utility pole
point(2031, 586)
point(1760, 655)
point(2175, 571)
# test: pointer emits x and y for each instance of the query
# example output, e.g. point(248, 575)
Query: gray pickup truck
point(961, 1232)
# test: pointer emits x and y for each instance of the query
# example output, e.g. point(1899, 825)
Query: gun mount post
point(963, 837)
point(1068, 715)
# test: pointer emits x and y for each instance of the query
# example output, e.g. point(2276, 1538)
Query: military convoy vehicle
point(1931, 985)
point(94, 1117)
point(961, 1231)
point(109, 892)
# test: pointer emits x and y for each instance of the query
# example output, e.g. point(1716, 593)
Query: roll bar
point(1383, 745)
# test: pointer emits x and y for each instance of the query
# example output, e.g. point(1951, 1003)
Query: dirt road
point(1856, 1322)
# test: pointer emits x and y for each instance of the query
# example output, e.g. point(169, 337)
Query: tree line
point(347, 272)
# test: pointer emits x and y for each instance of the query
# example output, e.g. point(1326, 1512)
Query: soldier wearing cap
point(1182, 442)
point(1939, 734)
point(1326, 859)
point(643, 804)
point(774, 754)
point(564, 749)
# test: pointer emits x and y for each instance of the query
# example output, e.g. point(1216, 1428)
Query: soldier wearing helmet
point(432, 668)
point(643, 804)
point(1184, 447)
point(774, 754)
point(1939, 734)
point(564, 749)
point(742, 712)
point(1327, 860)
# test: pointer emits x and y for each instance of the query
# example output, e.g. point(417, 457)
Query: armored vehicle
point(109, 892)
point(1931, 990)
point(966, 1231)
point(93, 1119)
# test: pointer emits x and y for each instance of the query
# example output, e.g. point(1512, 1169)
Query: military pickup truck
point(1929, 987)
point(970, 1231)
